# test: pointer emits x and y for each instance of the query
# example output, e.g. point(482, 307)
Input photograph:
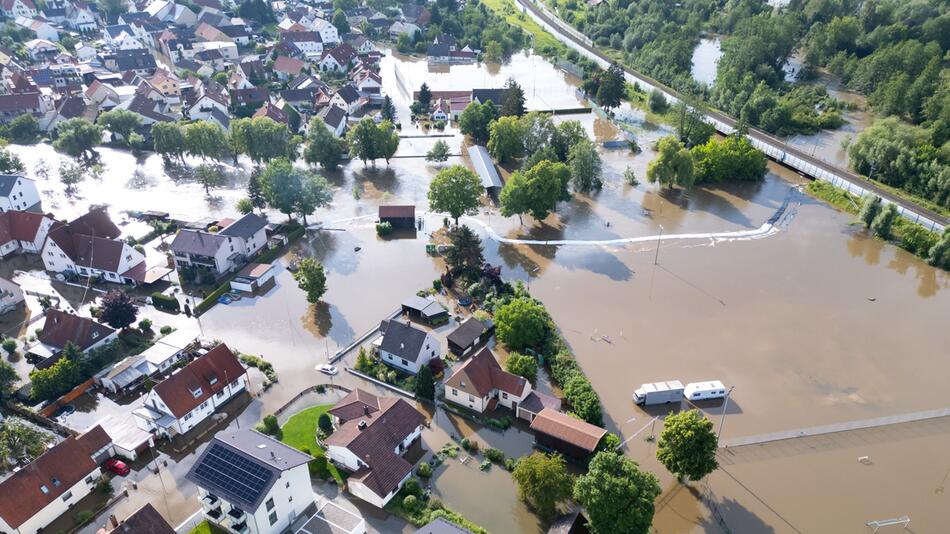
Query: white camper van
point(712, 389)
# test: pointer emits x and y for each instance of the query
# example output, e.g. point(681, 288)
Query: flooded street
point(815, 324)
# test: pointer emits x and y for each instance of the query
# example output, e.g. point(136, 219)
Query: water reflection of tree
point(861, 245)
point(737, 517)
point(322, 317)
point(666, 207)
point(383, 179)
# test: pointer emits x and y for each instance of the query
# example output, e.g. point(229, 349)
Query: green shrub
point(325, 423)
point(510, 464)
point(658, 103)
point(84, 517)
point(412, 487)
point(165, 330)
point(384, 228)
point(437, 284)
point(917, 239)
point(424, 470)
point(410, 502)
point(470, 445)
point(165, 302)
point(495, 455)
point(145, 325)
point(9, 345)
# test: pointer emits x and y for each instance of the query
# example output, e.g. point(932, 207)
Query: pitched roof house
point(190, 395)
point(570, 435)
point(145, 520)
point(46, 488)
point(339, 58)
point(406, 347)
point(480, 384)
point(370, 438)
point(469, 335)
point(251, 483)
point(63, 327)
point(17, 192)
point(89, 246)
point(23, 231)
point(335, 119)
point(224, 251)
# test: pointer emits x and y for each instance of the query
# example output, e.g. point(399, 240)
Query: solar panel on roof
point(230, 472)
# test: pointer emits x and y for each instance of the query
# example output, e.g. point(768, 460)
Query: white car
point(327, 369)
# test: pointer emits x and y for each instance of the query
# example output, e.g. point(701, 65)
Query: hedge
point(212, 299)
point(165, 302)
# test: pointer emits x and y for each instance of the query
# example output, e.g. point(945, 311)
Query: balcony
point(214, 514)
point(239, 528)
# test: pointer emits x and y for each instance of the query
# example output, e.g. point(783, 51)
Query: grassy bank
point(544, 43)
point(300, 432)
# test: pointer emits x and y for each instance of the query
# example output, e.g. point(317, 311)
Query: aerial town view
point(474, 266)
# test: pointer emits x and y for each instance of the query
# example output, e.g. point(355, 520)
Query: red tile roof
point(19, 225)
point(398, 212)
point(568, 429)
point(482, 373)
point(62, 327)
point(209, 373)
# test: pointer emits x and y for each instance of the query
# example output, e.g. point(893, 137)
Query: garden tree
point(282, 184)
point(311, 277)
point(870, 207)
point(323, 147)
point(244, 206)
point(221, 78)
point(324, 423)
point(612, 87)
point(673, 165)
point(585, 165)
point(9, 162)
point(690, 126)
point(523, 365)
point(256, 10)
point(538, 129)
point(389, 110)
point(543, 482)
point(8, 379)
point(505, 139)
point(585, 402)
point(884, 221)
point(425, 385)
point(364, 141)
point(464, 257)
point(120, 122)
point(315, 193)
point(71, 174)
point(617, 495)
point(424, 98)
point(456, 191)
point(512, 102)
point(535, 191)
point(610, 443)
point(476, 118)
point(205, 140)
point(77, 138)
point(522, 323)
point(687, 445)
point(939, 255)
point(494, 51)
point(50, 383)
point(117, 309)
point(439, 152)
point(21, 441)
point(112, 8)
point(340, 23)
point(658, 102)
point(23, 130)
point(262, 139)
point(566, 135)
point(168, 139)
point(733, 158)
point(255, 191)
point(388, 140)
point(209, 176)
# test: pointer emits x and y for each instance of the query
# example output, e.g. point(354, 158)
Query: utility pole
point(725, 405)
point(658, 238)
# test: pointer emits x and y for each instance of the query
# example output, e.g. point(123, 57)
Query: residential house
point(145, 520)
point(252, 277)
point(23, 231)
point(404, 28)
point(415, 14)
point(328, 32)
point(41, 28)
point(237, 33)
point(287, 68)
point(139, 61)
point(41, 49)
point(349, 99)
point(82, 17)
point(440, 525)
point(566, 434)
point(210, 105)
point(51, 484)
point(399, 216)
point(272, 112)
point(168, 84)
point(224, 251)
point(250, 483)
point(496, 96)
point(480, 384)
point(18, 192)
point(361, 44)
point(18, 8)
point(251, 98)
point(469, 335)
point(422, 308)
point(306, 43)
point(16, 104)
point(90, 246)
point(149, 111)
point(405, 347)
point(85, 52)
point(338, 59)
point(371, 435)
point(335, 119)
point(10, 295)
point(207, 32)
point(190, 395)
point(61, 328)
point(368, 83)
point(70, 107)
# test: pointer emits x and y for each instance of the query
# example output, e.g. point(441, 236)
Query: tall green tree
point(10, 163)
point(112, 8)
point(8, 379)
point(120, 122)
point(365, 141)
point(673, 165)
point(617, 495)
point(464, 257)
point(425, 384)
point(439, 152)
point(315, 192)
point(512, 103)
point(870, 207)
point(565, 136)
point(585, 164)
point(23, 130)
point(883, 223)
point(456, 191)
point(687, 445)
point(255, 192)
point(205, 140)
point(388, 140)
point(611, 89)
point(543, 482)
point(475, 119)
point(388, 110)
point(506, 138)
point(535, 191)
point(323, 146)
point(522, 323)
point(733, 158)
point(523, 365)
point(424, 98)
point(117, 309)
point(78, 138)
point(209, 177)
point(340, 23)
point(262, 139)
point(71, 174)
point(538, 130)
point(282, 185)
point(311, 277)
point(168, 140)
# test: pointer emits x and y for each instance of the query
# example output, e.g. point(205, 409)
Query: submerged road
point(773, 147)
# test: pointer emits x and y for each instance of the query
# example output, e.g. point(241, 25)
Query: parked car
point(114, 465)
point(327, 369)
point(64, 411)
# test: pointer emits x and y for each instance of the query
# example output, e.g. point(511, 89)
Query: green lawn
point(206, 528)
point(544, 42)
point(300, 432)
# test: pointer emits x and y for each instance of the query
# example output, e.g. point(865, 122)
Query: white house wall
point(59, 506)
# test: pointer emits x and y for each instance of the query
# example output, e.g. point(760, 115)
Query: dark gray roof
point(467, 332)
point(485, 167)
point(245, 227)
point(483, 95)
point(242, 466)
point(349, 93)
point(223, 119)
point(402, 340)
point(442, 526)
point(7, 181)
point(334, 116)
point(117, 29)
point(426, 307)
point(195, 242)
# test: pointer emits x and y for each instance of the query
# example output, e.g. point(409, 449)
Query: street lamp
point(725, 405)
point(658, 238)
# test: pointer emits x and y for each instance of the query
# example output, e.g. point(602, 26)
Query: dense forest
point(893, 51)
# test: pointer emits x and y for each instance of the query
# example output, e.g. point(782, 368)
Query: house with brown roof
point(90, 246)
point(370, 438)
point(339, 59)
point(190, 395)
point(50, 485)
point(145, 520)
point(62, 327)
point(23, 231)
point(567, 434)
point(481, 384)
point(287, 67)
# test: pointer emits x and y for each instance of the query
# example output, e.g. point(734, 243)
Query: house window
point(219, 394)
point(272, 517)
point(66, 496)
point(187, 416)
point(196, 392)
point(471, 398)
point(270, 505)
point(89, 479)
point(455, 392)
point(504, 395)
point(404, 362)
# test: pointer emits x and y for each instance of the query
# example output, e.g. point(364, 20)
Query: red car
point(117, 466)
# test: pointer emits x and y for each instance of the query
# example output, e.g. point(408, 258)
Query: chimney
point(272, 455)
point(366, 410)
point(113, 521)
point(362, 425)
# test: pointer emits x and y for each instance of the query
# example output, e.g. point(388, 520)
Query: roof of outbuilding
point(145, 520)
point(467, 332)
point(407, 211)
point(197, 242)
point(568, 429)
point(402, 339)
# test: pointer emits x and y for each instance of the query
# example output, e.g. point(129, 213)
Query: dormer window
point(56, 482)
point(213, 380)
point(95, 335)
point(196, 392)
point(44, 489)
